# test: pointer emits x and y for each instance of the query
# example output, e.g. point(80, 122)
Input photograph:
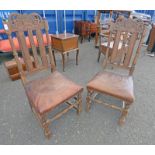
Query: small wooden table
point(64, 44)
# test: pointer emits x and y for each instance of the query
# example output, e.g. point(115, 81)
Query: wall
point(71, 16)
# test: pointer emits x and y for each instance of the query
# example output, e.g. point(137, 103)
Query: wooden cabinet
point(64, 44)
point(85, 29)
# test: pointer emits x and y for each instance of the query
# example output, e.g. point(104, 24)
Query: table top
point(64, 36)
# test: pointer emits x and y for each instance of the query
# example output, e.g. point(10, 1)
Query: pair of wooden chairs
point(46, 93)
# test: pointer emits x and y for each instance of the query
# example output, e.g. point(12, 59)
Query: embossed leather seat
point(114, 85)
point(47, 93)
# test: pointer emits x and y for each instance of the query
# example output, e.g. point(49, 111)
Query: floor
point(19, 126)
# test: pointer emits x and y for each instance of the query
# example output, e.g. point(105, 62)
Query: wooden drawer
point(64, 45)
point(69, 44)
point(12, 69)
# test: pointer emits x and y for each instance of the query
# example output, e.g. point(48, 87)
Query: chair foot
point(45, 126)
point(121, 121)
point(124, 114)
point(48, 135)
point(47, 131)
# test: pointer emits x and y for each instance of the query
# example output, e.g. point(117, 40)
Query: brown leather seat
point(114, 85)
point(47, 93)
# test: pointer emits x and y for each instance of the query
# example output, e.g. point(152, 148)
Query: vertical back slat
point(33, 46)
point(42, 47)
point(49, 46)
point(131, 46)
point(115, 47)
point(15, 53)
point(106, 60)
point(124, 48)
point(137, 52)
point(25, 51)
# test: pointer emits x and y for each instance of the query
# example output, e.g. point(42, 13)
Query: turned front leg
point(124, 113)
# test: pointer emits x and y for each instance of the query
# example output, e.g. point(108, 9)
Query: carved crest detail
point(129, 25)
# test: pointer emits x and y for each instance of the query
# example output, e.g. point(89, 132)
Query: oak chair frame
point(131, 31)
point(18, 23)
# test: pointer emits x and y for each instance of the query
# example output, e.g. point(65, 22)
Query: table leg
point(82, 38)
point(99, 55)
point(89, 37)
point(63, 61)
point(54, 57)
point(77, 56)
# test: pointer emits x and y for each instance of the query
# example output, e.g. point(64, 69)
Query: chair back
point(33, 30)
point(125, 39)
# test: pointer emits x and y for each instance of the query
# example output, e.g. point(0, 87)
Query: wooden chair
point(103, 43)
point(46, 93)
point(118, 85)
point(111, 12)
point(104, 34)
